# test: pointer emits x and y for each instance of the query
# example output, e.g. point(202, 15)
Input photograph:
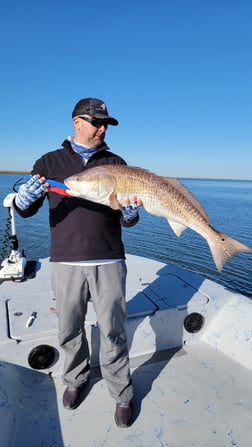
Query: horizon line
point(6, 171)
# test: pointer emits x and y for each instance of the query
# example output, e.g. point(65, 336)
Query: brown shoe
point(124, 415)
point(71, 397)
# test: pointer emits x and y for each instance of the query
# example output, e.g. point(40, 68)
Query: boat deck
point(192, 384)
point(193, 398)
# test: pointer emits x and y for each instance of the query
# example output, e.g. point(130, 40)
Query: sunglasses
point(96, 122)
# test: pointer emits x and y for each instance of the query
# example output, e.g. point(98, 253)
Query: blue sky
point(177, 75)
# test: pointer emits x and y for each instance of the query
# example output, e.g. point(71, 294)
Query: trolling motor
point(13, 266)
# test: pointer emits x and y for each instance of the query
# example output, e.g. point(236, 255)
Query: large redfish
point(161, 196)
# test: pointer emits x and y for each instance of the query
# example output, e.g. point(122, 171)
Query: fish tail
point(224, 247)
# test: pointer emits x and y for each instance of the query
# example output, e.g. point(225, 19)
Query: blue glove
point(29, 192)
point(130, 212)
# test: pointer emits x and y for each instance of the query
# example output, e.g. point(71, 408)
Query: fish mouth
point(71, 192)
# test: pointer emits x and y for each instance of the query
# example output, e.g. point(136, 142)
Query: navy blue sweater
point(80, 230)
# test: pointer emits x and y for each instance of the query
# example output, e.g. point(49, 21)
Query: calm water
point(228, 204)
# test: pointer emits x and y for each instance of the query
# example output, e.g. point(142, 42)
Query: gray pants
point(105, 284)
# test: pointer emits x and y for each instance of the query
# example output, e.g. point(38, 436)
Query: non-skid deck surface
point(195, 397)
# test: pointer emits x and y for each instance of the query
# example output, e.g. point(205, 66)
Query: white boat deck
point(191, 389)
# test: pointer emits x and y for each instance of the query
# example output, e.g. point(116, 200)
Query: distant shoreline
point(14, 172)
point(178, 178)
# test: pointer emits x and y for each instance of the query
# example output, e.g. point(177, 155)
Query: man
point(87, 258)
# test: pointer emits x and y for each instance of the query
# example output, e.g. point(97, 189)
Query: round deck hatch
point(42, 357)
point(193, 322)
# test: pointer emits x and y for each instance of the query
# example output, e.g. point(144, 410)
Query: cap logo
point(103, 107)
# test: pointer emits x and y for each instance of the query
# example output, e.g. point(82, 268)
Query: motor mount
point(12, 267)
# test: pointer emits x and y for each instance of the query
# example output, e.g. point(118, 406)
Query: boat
point(190, 342)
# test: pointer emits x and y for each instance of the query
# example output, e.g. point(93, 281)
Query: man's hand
point(30, 191)
point(130, 210)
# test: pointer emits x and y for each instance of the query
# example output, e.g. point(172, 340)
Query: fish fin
point(177, 227)
point(113, 202)
point(224, 247)
point(186, 193)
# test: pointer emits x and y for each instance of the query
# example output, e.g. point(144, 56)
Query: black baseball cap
point(93, 107)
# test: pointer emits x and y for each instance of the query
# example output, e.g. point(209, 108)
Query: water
point(227, 202)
